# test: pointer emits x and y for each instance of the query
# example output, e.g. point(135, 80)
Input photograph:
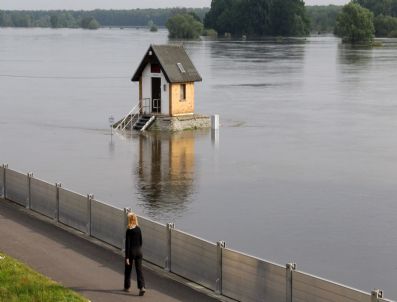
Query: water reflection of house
point(166, 170)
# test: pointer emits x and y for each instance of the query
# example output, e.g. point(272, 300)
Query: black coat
point(133, 243)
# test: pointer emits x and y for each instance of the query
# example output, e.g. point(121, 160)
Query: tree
point(89, 23)
point(355, 24)
point(289, 18)
point(378, 7)
point(184, 26)
point(323, 18)
point(258, 17)
point(385, 25)
point(54, 21)
point(21, 20)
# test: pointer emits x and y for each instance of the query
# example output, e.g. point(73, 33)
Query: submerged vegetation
point(184, 26)
point(258, 17)
point(238, 18)
point(53, 19)
point(355, 24)
point(73, 19)
point(385, 16)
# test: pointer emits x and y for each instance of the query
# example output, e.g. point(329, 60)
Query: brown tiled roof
point(169, 57)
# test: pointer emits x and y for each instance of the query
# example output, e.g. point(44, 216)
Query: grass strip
point(20, 283)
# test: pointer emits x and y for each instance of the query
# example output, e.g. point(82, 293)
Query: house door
point(156, 95)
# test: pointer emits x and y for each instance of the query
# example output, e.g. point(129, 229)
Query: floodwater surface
point(303, 168)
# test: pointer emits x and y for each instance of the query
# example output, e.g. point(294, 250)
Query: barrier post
point(376, 294)
point(90, 197)
point(5, 167)
point(3, 192)
point(220, 245)
point(58, 186)
point(29, 200)
point(290, 268)
point(167, 265)
point(126, 211)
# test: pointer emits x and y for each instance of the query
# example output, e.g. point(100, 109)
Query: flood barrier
point(226, 272)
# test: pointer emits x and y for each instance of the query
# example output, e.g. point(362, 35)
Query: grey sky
point(119, 4)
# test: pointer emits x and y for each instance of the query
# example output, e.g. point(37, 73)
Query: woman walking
point(133, 253)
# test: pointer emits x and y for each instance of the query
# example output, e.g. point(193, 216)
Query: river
point(303, 168)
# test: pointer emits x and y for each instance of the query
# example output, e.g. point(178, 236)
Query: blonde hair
point(132, 220)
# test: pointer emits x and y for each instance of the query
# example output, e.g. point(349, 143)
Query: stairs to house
point(143, 122)
point(135, 119)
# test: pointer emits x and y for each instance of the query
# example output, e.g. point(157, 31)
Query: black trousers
point(139, 274)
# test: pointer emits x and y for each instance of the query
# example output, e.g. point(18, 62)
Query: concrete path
point(94, 271)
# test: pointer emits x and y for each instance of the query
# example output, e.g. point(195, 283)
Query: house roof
point(174, 61)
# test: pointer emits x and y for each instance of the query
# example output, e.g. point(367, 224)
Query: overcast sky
point(119, 4)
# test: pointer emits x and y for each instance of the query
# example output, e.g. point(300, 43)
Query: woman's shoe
point(127, 290)
point(142, 291)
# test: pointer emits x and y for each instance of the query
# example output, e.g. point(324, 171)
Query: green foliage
point(385, 12)
point(223, 16)
point(258, 17)
point(355, 24)
point(184, 26)
point(152, 26)
point(209, 32)
point(380, 7)
point(73, 19)
point(392, 34)
point(323, 18)
point(289, 18)
point(195, 16)
point(385, 25)
point(89, 23)
point(20, 283)
point(63, 19)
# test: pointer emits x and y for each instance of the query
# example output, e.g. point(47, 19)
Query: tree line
point(74, 19)
point(230, 17)
point(258, 17)
point(323, 18)
point(384, 16)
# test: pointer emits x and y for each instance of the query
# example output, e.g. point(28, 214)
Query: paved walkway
point(94, 271)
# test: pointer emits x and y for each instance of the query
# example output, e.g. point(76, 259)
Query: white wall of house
point(147, 89)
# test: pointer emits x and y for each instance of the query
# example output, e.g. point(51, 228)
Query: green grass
point(20, 283)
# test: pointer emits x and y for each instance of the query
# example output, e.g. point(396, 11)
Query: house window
point(183, 92)
point(180, 66)
point(155, 68)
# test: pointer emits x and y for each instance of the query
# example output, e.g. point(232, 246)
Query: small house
point(166, 77)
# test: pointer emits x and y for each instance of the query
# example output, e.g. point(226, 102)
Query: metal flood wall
point(194, 258)
point(43, 197)
point(230, 273)
point(1, 181)
point(306, 287)
point(246, 278)
point(107, 223)
point(73, 209)
point(155, 249)
point(17, 187)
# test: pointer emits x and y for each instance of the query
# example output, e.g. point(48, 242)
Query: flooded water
point(303, 169)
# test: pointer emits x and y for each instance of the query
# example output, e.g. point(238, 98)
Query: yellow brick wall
point(178, 107)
